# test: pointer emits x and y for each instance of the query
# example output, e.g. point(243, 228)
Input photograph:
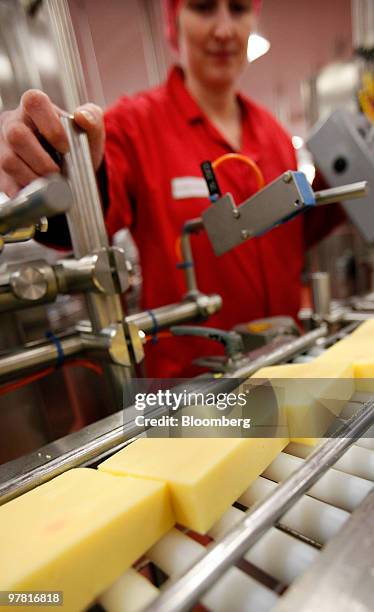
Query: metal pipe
point(43, 197)
point(85, 219)
point(279, 355)
point(321, 294)
point(344, 192)
point(357, 316)
point(172, 314)
point(184, 592)
point(22, 362)
point(188, 264)
point(126, 431)
point(72, 81)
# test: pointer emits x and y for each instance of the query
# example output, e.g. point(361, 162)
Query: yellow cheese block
point(79, 532)
point(311, 395)
point(358, 350)
point(205, 476)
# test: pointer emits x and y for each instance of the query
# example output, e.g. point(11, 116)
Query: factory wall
point(305, 36)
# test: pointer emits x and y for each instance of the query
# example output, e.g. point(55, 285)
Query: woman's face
point(213, 39)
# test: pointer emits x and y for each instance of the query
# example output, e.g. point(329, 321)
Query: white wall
point(305, 36)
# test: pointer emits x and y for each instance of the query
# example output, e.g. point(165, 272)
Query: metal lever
point(231, 340)
point(45, 197)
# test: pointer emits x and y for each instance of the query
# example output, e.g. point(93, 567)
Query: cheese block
point(79, 532)
point(311, 395)
point(358, 350)
point(204, 476)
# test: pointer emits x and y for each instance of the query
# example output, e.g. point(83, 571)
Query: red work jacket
point(154, 141)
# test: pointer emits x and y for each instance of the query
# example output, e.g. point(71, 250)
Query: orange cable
point(85, 363)
point(246, 160)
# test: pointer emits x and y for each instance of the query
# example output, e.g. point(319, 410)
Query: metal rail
point(184, 592)
point(111, 432)
point(278, 355)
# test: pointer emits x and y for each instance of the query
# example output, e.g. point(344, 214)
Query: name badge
point(189, 187)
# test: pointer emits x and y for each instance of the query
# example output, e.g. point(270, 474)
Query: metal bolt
point(236, 213)
point(287, 177)
point(245, 234)
point(42, 226)
point(297, 203)
point(29, 283)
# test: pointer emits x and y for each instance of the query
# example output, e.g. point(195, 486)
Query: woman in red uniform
point(154, 145)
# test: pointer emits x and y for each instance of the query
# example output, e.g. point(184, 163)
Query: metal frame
point(182, 593)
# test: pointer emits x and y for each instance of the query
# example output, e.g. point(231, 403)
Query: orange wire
point(162, 334)
point(178, 249)
point(85, 363)
point(246, 160)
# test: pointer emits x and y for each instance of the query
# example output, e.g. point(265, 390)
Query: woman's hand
point(22, 157)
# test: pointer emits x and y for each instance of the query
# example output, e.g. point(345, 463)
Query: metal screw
point(42, 225)
point(245, 234)
point(287, 177)
point(297, 203)
point(236, 213)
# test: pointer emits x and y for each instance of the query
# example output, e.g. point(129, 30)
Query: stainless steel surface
point(22, 362)
point(279, 354)
point(228, 225)
point(85, 220)
point(321, 294)
point(108, 436)
point(188, 262)
point(363, 23)
point(88, 235)
point(43, 197)
point(343, 578)
point(165, 316)
point(108, 345)
point(72, 81)
point(92, 272)
point(21, 475)
point(357, 316)
point(184, 592)
point(342, 193)
point(29, 283)
point(344, 156)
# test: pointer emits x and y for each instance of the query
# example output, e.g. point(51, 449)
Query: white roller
point(282, 555)
point(368, 440)
point(237, 592)
point(336, 488)
point(130, 593)
point(232, 517)
point(175, 552)
point(309, 517)
point(276, 553)
point(357, 460)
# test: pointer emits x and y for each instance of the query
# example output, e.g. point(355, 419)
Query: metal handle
point(231, 340)
point(344, 192)
point(45, 197)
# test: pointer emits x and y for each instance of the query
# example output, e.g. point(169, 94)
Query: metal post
point(85, 219)
point(321, 294)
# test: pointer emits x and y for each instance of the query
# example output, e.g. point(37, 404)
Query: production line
point(117, 517)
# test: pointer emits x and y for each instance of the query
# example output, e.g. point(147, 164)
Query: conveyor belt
point(290, 552)
point(284, 541)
